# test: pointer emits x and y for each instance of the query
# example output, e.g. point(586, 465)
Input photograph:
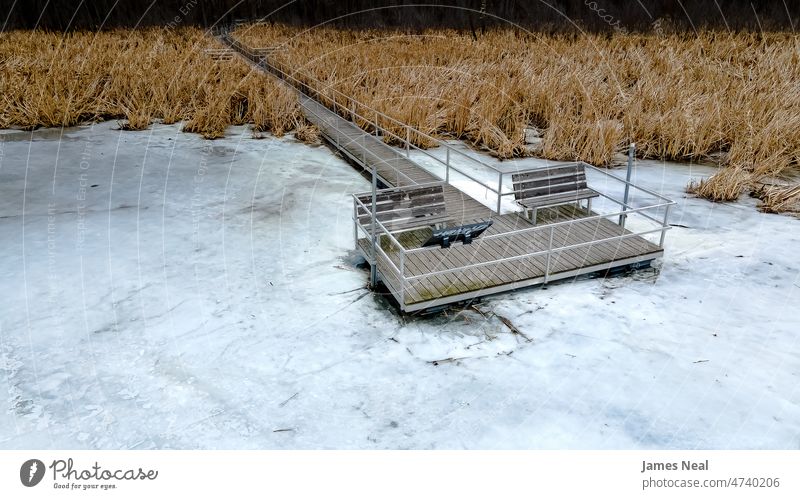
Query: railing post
point(664, 226)
point(447, 169)
point(373, 271)
point(631, 155)
point(499, 190)
point(408, 141)
point(549, 252)
point(402, 277)
point(355, 222)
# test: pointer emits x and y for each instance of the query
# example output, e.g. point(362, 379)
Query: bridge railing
point(646, 211)
point(653, 215)
point(379, 123)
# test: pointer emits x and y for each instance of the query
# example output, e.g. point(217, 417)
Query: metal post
point(447, 170)
point(373, 271)
point(664, 227)
point(549, 252)
point(355, 222)
point(499, 190)
point(402, 277)
point(408, 141)
point(631, 155)
point(336, 127)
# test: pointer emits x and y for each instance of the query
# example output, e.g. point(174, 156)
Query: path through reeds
point(730, 98)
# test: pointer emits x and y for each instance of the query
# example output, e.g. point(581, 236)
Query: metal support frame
point(447, 166)
point(631, 156)
point(499, 190)
point(402, 276)
point(373, 271)
point(549, 255)
point(664, 226)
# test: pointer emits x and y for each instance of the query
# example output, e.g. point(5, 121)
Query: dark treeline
point(551, 15)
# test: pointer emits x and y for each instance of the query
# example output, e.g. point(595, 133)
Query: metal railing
point(376, 121)
point(378, 233)
point(655, 217)
point(347, 107)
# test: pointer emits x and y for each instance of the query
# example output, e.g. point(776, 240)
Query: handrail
point(300, 85)
point(620, 179)
point(529, 255)
point(365, 151)
point(599, 170)
point(630, 207)
point(379, 223)
point(553, 225)
point(402, 188)
point(327, 93)
point(388, 258)
point(305, 89)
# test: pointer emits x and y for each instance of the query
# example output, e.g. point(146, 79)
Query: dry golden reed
point(725, 185)
point(55, 80)
point(779, 199)
point(730, 96)
point(308, 133)
point(685, 97)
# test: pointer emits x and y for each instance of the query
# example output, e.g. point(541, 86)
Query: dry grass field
point(54, 80)
point(730, 98)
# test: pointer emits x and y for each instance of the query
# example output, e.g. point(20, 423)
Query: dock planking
point(436, 276)
point(522, 271)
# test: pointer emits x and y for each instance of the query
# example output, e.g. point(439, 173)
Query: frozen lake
point(162, 291)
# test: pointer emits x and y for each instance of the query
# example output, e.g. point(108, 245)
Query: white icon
point(34, 467)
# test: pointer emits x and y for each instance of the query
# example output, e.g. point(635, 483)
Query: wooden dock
point(464, 272)
point(564, 242)
point(393, 167)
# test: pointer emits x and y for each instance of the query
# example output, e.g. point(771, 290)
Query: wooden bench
point(404, 208)
point(551, 186)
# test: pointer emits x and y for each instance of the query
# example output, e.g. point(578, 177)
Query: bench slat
point(531, 190)
point(416, 211)
point(407, 223)
point(551, 186)
point(551, 181)
point(549, 171)
point(381, 206)
point(540, 201)
point(404, 208)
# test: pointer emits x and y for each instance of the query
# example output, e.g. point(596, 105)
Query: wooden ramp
point(562, 242)
point(394, 168)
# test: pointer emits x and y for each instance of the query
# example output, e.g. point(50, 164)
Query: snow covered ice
point(162, 291)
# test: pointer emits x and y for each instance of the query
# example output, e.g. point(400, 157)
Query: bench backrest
point(548, 181)
point(404, 208)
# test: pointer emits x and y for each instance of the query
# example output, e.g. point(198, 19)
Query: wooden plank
point(521, 183)
point(499, 249)
point(394, 167)
point(532, 190)
point(562, 198)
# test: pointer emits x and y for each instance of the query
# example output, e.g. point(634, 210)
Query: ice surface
point(162, 291)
